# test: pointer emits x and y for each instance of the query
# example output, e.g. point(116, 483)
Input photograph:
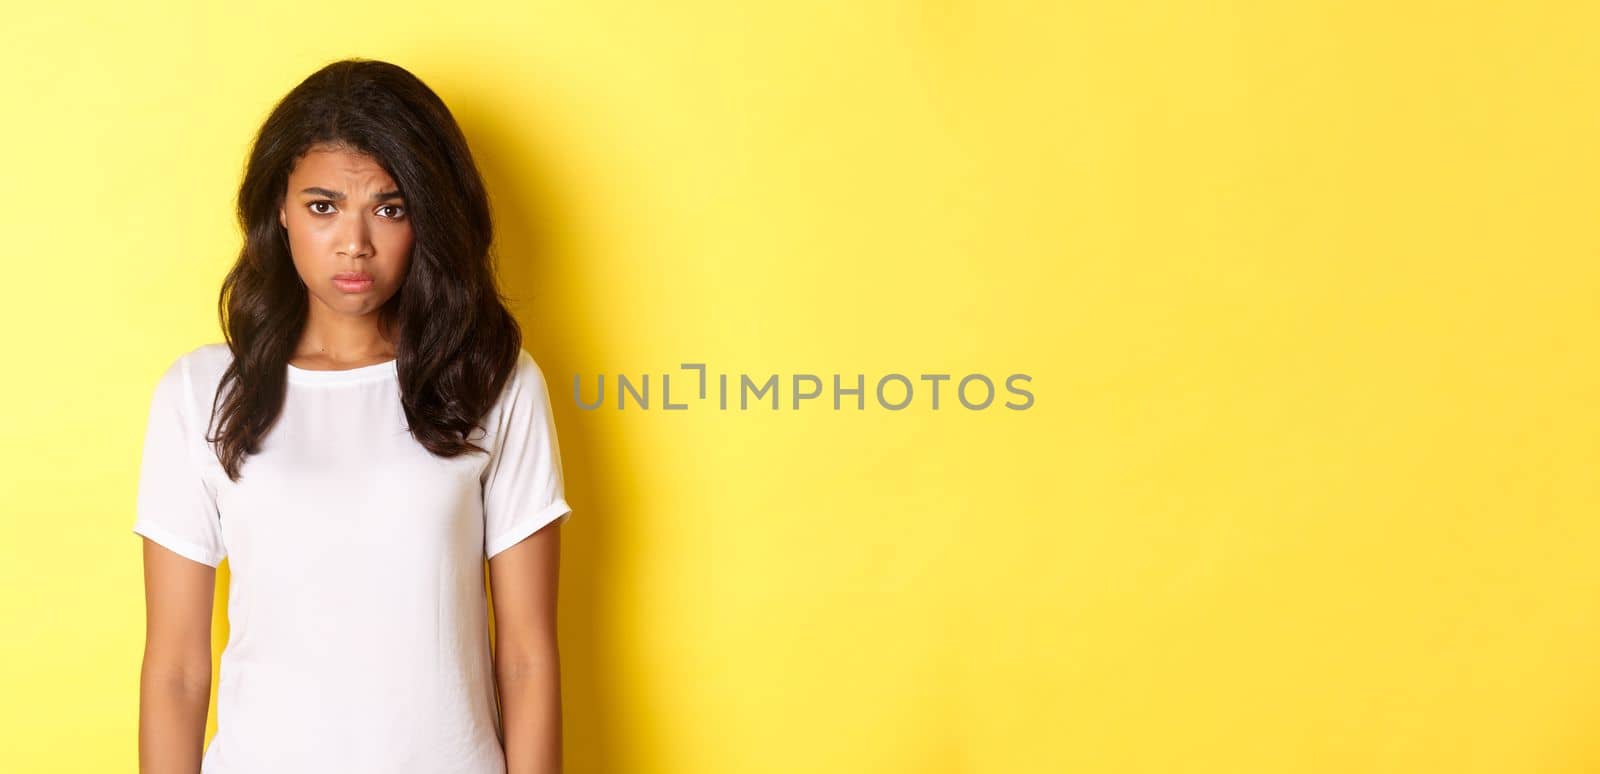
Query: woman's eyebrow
point(339, 195)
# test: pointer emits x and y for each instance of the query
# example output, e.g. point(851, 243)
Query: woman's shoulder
point(196, 372)
point(207, 361)
point(524, 385)
point(526, 377)
point(211, 354)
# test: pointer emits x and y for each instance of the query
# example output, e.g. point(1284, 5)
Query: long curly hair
point(456, 342)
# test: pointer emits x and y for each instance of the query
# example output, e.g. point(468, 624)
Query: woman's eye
point(315, 205)
point(399, 211)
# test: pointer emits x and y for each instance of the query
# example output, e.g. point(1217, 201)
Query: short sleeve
point(523, 487)
point(176, 508)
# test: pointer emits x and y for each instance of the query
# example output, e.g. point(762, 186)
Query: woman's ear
point(283, 220)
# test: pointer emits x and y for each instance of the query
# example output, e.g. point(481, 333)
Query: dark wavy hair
point(456, 342)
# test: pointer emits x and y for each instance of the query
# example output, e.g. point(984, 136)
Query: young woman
point(369, 432)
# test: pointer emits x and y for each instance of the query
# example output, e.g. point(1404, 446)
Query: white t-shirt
point(358, 634)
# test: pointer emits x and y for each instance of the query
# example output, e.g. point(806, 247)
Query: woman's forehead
point(342, 163)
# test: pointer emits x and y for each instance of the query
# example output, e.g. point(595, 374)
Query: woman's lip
point(352, 284)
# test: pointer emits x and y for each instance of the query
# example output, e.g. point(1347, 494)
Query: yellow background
point(1307, 292)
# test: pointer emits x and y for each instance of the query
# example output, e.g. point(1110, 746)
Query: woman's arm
point(522, 583)
point(175, 679)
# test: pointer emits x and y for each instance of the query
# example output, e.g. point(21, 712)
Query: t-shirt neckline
point(369, 373)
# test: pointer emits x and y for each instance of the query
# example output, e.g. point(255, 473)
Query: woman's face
point(349, 230)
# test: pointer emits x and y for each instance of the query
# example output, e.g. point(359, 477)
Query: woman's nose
point(355, 241)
